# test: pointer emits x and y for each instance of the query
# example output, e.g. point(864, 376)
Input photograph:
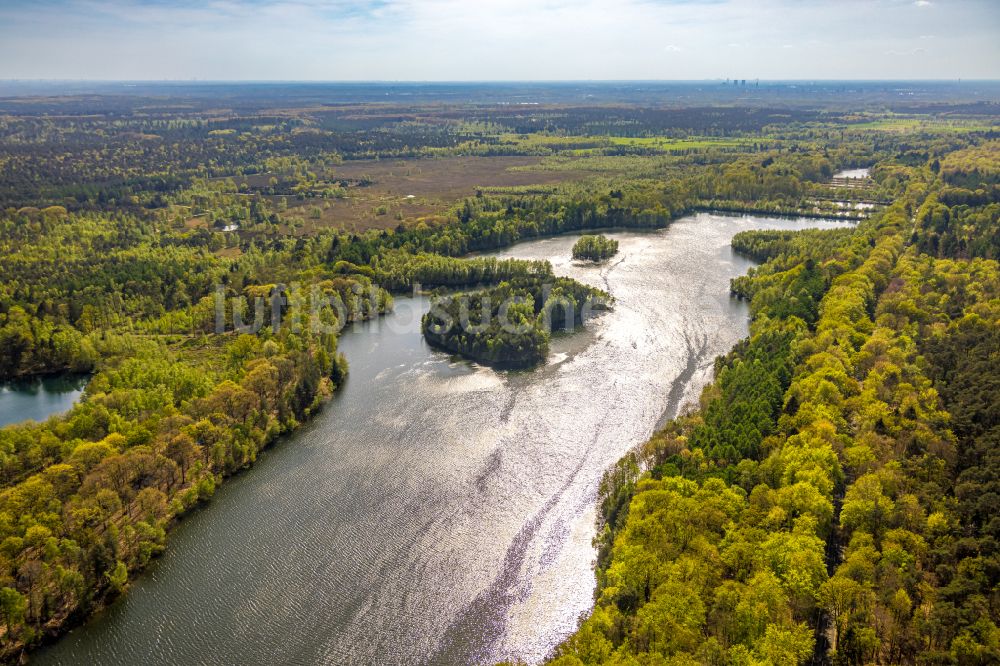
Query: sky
point(484, 40)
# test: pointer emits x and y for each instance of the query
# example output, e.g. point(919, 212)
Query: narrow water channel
point(437, 511)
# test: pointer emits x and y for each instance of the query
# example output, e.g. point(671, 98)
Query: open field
point(396, 190)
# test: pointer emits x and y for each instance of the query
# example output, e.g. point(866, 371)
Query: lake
point(39, 398)
point(437, 511)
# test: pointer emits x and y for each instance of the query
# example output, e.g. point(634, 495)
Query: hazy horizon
point(498, 41)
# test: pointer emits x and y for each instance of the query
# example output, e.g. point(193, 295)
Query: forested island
point(831, 498)
point(510, 325)
point(595, 248)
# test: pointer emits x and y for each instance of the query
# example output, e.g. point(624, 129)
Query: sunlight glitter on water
point(437, 511)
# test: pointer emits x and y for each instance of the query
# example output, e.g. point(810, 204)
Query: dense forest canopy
point(832, 495)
